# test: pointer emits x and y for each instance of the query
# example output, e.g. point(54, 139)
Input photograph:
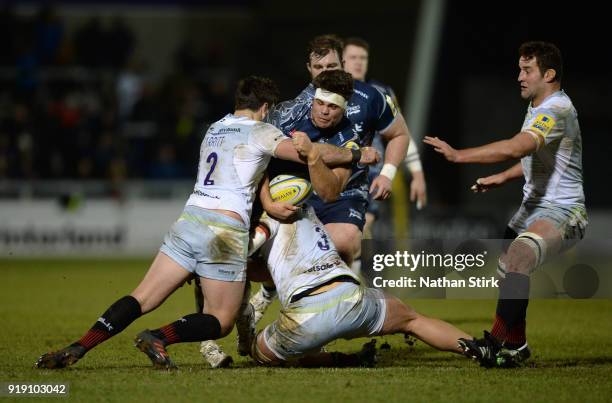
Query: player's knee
point(226, 321)
point(261, 354)
point(525, 254)
point(147, 303)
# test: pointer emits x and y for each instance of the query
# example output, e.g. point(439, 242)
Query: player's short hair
point(321, 45)
point(336, 81)
point(547, 55)
point(254, 91)
point(355, 41)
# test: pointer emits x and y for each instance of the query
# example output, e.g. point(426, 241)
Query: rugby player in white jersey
point(210, 239)
point(552, 216)
point(322, 300)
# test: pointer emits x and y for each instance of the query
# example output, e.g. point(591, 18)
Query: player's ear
point(549, 75)
point(264, 109)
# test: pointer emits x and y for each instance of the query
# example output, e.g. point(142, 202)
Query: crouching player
point(323, 300)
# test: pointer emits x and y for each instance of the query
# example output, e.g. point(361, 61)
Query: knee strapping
point(535, 243)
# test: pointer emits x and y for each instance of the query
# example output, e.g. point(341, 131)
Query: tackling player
point(210, 238)
point(552, 216)
point(323, 300)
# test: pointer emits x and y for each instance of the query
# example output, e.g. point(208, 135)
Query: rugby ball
point(290, 189)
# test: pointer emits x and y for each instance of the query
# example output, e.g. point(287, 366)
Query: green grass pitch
point(47, 304)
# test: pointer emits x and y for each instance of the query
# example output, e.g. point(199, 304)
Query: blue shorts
point(208, 244)
point(347, 311)
point(345, 210)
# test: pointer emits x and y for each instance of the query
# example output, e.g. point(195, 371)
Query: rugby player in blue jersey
point(355, 59)
point(369, 112)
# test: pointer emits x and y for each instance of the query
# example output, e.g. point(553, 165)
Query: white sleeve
point(266, 138)
point(546, 125)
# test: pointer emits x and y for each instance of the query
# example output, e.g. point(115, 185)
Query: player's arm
point(326, 182)
point(397, 137)
point(331, 155)
point(482, 185)
point(522, 144)
point(280, 210)
point(337, 156)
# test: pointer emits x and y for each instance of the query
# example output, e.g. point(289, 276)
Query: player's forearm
point(413, 160)
point(498, 151)
point(396, 149)
point(324, 181)
point(514, 172)
point(264, 193)
point(334, 156)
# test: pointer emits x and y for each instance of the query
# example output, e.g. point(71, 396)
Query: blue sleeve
point(383, 109)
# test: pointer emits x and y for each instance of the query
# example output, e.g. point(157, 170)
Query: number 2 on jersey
point(212, 160)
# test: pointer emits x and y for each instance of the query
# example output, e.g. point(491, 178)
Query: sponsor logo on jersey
point(353, 110)
point(200, 193)
point(229, 130)
point(361, 94)
point(542, 124)
point(324, 266)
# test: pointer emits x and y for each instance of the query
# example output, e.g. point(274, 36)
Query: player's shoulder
point(365, 92)
point(265, 129)
point(558, 103)
point(382, 87)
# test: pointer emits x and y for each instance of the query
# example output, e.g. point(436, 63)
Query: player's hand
point(380, 188)
point(482, 185)
point(418, 189)
point(442, 147)
point(369, 156)
point(282, 211)
point(302, 143)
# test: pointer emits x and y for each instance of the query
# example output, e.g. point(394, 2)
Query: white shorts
point(571, 221)
point(346, 311)
point(208, 244)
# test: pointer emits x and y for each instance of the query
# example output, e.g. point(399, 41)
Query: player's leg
point(347, 239)
point(265, 295)
point(548, 232)
point(313, 321)
point(401, 318)
point(212, 352)
point(164, 276)
point(370, 219)
point(217, 246)
point(344, 220)
point(262, 354)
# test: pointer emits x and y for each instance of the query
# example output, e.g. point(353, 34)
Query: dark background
point(60, 76)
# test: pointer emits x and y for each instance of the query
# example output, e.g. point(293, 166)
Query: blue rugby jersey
point(368, 111)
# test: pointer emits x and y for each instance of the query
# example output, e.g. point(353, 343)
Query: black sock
point(512, 304)
point(192, 327)
point(116, 318)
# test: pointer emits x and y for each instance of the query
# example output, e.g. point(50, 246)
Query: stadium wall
point(96, 228)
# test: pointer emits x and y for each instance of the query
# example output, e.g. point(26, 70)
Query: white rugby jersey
point(233, 157)
point(553, 173)
point(301, 256)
